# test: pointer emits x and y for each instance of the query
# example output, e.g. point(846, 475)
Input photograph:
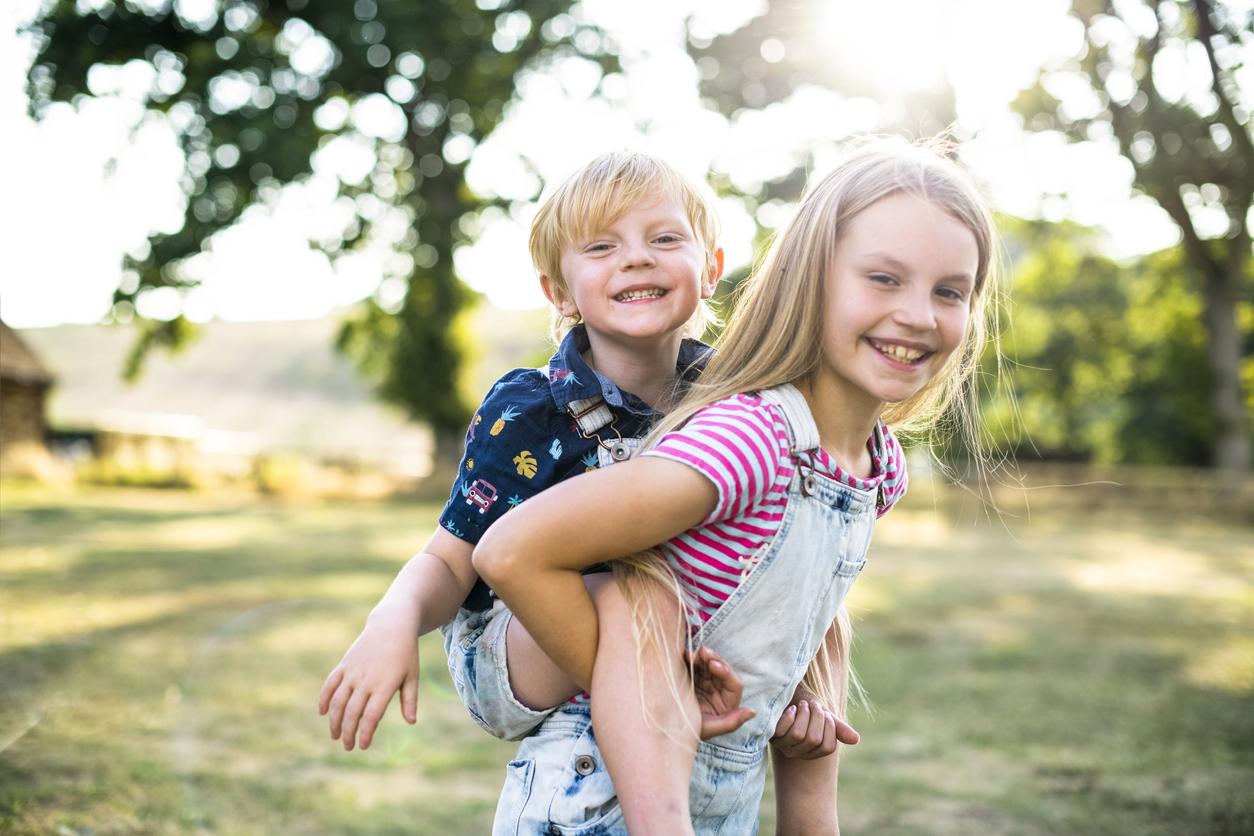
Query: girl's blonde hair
point(600, 193)
point(774, 334)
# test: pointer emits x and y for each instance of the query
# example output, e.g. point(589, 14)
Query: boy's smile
point(640, 278)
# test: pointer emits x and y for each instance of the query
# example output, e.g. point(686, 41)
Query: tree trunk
point(1231, 449)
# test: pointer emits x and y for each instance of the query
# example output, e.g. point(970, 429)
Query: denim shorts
point(474, 642)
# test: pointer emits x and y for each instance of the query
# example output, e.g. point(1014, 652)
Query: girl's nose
point(916, 310)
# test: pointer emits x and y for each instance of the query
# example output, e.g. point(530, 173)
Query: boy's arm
point(425, 594)
point(533, 556)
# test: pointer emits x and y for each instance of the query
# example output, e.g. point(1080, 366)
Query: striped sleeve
point(893, 460)
point(736, 444)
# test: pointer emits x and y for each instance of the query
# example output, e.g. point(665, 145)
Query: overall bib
point(769, 630)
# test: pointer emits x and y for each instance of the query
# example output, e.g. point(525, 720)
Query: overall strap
point(591, 414)
point(803, 433)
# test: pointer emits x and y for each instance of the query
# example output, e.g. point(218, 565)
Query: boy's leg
point(649, 757)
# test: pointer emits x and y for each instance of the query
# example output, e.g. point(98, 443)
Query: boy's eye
point(668, 238)
point(599, 246)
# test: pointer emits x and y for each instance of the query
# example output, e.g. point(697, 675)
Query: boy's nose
point(636, 255)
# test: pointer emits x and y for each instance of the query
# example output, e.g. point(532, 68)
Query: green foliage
point(449, 66)
point(1108, 360)
point(1191, 150)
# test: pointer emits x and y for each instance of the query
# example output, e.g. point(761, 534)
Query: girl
point(763, 487)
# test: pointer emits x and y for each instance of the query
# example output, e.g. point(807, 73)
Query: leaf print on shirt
point(556, 449)
point(509, 414)
point(526, 464)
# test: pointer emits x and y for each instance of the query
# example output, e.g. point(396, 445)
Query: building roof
point(18, 363)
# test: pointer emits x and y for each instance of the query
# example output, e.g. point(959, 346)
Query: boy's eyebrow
point(901, 267)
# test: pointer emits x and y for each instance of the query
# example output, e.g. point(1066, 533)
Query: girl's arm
point(533, 555)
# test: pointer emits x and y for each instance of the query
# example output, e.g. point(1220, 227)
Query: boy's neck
point(645, 368)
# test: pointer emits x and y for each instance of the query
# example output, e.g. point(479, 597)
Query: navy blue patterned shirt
point(523, 438)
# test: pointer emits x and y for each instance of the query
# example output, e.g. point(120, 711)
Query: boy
point(627, 255)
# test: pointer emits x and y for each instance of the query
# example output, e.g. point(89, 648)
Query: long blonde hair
point(773, 335)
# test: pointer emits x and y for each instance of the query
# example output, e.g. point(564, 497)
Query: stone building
point(24, 385)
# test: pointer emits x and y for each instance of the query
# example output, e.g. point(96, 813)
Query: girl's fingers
point(829, 736)
point(341, 697)
point(785, 721)
point(352, 715)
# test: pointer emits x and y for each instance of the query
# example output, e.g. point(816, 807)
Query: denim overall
point(768, 630)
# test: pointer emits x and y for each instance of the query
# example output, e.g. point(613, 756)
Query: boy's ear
point(715, 273)
point(556, 297)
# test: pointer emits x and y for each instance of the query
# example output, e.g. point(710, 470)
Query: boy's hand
point(807, 730)
point(718, 691)
point(383, 659)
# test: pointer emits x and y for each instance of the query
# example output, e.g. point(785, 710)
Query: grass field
point(161, 653)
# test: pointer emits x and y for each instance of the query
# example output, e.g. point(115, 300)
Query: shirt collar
point(572, 379)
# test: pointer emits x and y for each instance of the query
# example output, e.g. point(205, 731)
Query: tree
point(1102, 353)
point(1191, 150)
point(254, 88)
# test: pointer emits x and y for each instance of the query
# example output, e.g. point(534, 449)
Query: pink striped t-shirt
point(741, 445)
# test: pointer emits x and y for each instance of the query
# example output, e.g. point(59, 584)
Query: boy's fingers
point(338, 701)
point(352, 716)
point(828, 746)
point(715, 725)
point(370, 718)
point(328, 688)
point(409, 699)
point(785, 721)
point(846, 733)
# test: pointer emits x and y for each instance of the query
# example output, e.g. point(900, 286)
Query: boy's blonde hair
point(775, 333)
point(599, 194)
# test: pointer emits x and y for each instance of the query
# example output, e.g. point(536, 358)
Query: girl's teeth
point(899, 352)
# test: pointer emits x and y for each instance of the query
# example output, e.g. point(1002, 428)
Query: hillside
point(281, 381)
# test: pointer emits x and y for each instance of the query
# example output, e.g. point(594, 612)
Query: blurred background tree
point(254, 90)
point(1191, 149)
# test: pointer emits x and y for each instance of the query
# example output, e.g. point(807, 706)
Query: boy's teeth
point(898, 352)
point(632, 295)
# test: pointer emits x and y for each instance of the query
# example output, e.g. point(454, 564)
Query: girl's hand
point(718, 691)
point(383, 660)
point(807, 730)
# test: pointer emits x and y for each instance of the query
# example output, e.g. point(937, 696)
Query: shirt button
point(585, 765)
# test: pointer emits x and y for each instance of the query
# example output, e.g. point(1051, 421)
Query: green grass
point(161, 654)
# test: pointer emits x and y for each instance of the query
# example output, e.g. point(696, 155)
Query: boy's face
point(639, 278)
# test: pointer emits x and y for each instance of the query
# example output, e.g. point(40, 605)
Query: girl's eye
point(951, 294)
point(883, 278)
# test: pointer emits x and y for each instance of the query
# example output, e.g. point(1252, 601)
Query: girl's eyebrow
point(901, 267)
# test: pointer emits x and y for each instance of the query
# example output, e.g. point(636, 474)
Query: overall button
point(585, 765)
point(620, 452)
point(809, 486)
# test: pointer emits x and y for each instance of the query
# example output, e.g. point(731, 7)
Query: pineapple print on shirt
point(509, 414)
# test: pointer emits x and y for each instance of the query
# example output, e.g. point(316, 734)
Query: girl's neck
point(845, 421)
point(645, 369)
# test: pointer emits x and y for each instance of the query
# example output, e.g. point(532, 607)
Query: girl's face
point(899, 292)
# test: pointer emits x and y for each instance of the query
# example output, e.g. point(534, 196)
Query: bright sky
point(67, 223)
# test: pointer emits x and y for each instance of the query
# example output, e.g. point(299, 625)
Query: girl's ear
point(556, 296)
point(713, 275)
